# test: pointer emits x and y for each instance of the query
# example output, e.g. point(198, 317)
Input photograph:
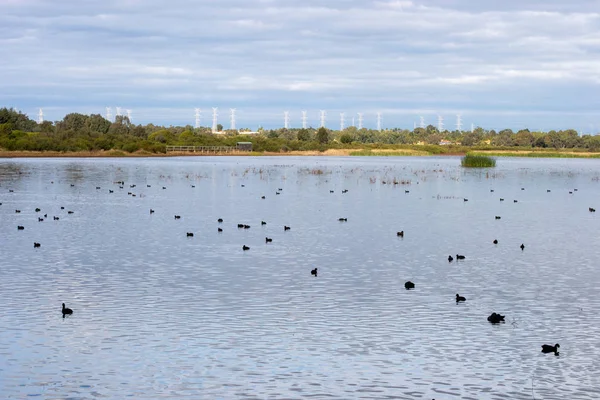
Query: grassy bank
point(475, 161)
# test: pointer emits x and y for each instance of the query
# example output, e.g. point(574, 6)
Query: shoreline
point(307, 153)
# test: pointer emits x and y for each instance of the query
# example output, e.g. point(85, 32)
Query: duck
point(344, 191)
point(407, 191)
point(98, 188)
point(495, 241)
point(244, 247)
point(313, 272)
point(522, 246)
point(190, 234)
point(501, 199)
point(495, 318)
point(263, 223)
point(178, 217)
point(241, 226)
point(460, 298)
point(219, 230)
point(17, 211)
point(546, 348)
point(263, 197)
point(164, 187)
point(286, 228)
point(66, 310)
point(592, 209)
point(548, 191)
point(268, 240)
point(110, 191)
point(36, 244)
point(450, 258)
point(148, 185)
point(331, 191)
point(465, 199)
point(400, 234)
point(459, 257)
point(151, 211)
point(491, 190)
point(70, 212)
point(20, 227)
point(498, 217)
point(38, 210)
point(515, 201)
point(40, 219)
point(220, 220)
point(56, 218)
point(409, 285)
point(246, 226)
point(343, 219)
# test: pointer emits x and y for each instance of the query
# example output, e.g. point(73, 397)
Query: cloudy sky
point(509, 63)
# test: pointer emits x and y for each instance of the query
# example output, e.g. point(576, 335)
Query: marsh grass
point(477, 161)
point(389, 153)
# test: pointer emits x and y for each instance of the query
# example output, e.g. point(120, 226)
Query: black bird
point(131, 186)
point(246, 226)
point(243, 185)
point(110, 191)
point(459, 257)
point(268, 240)
point(501, 199)
point(515, 201)
point(190, 234)
point(45, 215)
point(575, 189)
point(495, 318)
point(345, 191)
point(97, 187)
point(193, 186)
point(17, 211)
point(37, 210)
point(400, 234)
point(70, 212)
point(409, 285)
point(219, 230)
point(465, 199)
point(592, 209)
point(178, 217)
point(450, 259)
point(277, 193)
point(40, 219)
point(331, 191)
point(492, 190)
point(148, 186)
point(164, 187)
point(244, 247)
point(66, 311)
point(56, 218)
point(314, 272)
point(522, 188)
point(151, 211)
point(20, 228)
point(286, 228)
point(280, 189)
point(570, 192)
point(498, 217)
point(36, 244)
point(460, 298)
point(343, 219)
point(522, 246)
point(263, 223)
point(546, 348)
point(220, 220)
point(62, 208)
point(263, 197)
point(241, 226)
point(548, 191)
point(495, 241)
point(407, 191)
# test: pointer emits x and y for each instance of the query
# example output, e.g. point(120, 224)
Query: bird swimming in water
point(314, 272)
point(66, 311)
point(245, 248)
point(409, 285)
point(460, 298)
point(450, 258)
point(495, 318)
point(268, 240)
point(400, 234)
point(459, 257)
point(495, 241)
point(522, 246)
point(546, 348)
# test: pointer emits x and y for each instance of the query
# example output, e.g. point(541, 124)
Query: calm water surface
point(161, 315)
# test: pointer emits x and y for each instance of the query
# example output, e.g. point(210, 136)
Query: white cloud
point(348, 54)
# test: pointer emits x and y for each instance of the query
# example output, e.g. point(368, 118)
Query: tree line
point(80, 132)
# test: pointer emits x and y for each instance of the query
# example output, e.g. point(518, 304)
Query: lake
point(158, 314)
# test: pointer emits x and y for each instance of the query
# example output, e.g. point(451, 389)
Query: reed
point(477, 161)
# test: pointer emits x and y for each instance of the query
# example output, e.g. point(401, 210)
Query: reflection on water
point(158, 314)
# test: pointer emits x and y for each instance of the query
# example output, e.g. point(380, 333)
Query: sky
point(499, 64)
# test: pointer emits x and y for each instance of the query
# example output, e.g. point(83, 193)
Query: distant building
point(244, 146)
point(445, 142)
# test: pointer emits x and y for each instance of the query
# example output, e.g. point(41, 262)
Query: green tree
point(322, 135)
point(303, 135)
point(219, 127)
point(346, 138)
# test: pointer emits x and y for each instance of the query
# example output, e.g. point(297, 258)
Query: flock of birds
point(494, 318)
